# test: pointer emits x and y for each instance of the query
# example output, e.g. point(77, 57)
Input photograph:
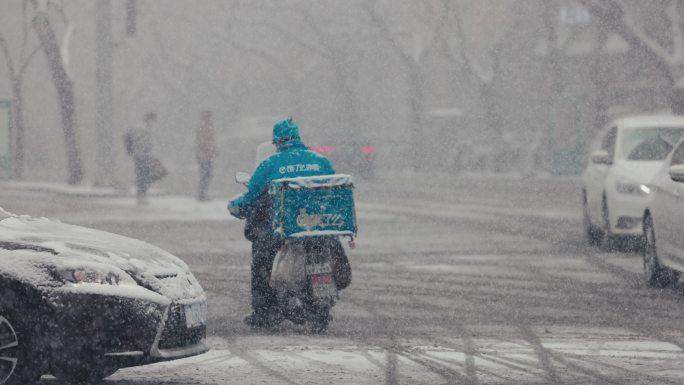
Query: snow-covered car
point(663, 218)
point(625, 158)
point(79, 303)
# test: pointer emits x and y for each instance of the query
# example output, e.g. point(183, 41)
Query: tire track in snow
point(624, 313)
point(542, 354)
point(394, 350)
point(538, 228)
point(565, 360)
point(560, 285)
point(366, 354)
point(261, 364)
point(470, 350)
point(533, 341)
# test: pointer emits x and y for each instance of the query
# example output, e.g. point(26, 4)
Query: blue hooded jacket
point(292, 159)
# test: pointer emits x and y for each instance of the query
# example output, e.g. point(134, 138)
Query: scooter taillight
point(323, 286)
point(322, 280)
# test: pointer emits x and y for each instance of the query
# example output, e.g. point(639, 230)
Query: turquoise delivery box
point(313, 206)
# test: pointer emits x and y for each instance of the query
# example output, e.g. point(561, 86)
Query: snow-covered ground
point(476, 282)
point(276, 360)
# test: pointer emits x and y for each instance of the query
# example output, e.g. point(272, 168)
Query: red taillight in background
point(323, 150)
point(369, 150)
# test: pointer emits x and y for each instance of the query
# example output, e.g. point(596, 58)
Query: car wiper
point(22, 246)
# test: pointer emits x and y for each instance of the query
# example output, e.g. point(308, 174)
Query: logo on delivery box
point(309, 222)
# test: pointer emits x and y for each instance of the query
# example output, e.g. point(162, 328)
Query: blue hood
point(285, 130)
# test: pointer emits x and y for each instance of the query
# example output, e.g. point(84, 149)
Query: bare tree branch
point(436, 37)
point(674, 15)
point(465, 58)
point(26, 63)
point(323, 35)
point(386, 33)
point(574, 36)
point(613, 12)
point(24, 27)
point(296, 39)
point(268, 56)
point(187, 68)
point(8, 57)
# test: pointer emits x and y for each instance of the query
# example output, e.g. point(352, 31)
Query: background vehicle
point(357, 159)
point(80, 303)
point(664, 223)
point(624, 160)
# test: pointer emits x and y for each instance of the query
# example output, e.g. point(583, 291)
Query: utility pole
point(104, 99)
point(131, 18)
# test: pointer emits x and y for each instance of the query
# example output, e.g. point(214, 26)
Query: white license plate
point(195, 314)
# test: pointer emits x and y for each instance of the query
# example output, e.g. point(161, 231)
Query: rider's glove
point(235, 210)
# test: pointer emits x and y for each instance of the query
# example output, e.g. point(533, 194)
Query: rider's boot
point(265, 320)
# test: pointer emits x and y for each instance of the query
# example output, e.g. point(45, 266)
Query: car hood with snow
point(65, 246)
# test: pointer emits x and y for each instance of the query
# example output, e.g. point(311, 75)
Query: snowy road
point(484, 282)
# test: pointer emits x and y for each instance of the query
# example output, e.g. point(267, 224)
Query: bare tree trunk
point(18, 128)
point(104, 98)
point(554, 72)
point(676, 95)
point(613, 15)
point(65, 94)
point(491, 115)
point(416, 100)
point(599, 78)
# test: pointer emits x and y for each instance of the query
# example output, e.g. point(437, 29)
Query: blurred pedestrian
point(205, 149)
point(148, 168)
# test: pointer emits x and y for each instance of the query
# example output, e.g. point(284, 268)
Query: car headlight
point(85, 275)
point(629, 187)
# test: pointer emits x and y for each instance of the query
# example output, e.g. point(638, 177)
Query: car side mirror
point(677, 173)
point(242, 177)
point(601, 157)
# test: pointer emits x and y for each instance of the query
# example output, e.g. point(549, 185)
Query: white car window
point(648, 143)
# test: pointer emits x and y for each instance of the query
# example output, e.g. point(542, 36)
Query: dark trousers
point(205, 169)
point(142, 176)
point(264, 250)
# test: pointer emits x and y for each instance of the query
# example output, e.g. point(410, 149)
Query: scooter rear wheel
point(320, 319)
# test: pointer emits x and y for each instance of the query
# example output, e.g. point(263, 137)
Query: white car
point(625, 158)
point(664, 223)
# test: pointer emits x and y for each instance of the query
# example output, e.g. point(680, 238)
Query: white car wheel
point(656, 275)
point(608, 241)
point(591, 233)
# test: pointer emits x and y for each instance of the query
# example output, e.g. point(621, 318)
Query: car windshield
point(649, 143)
